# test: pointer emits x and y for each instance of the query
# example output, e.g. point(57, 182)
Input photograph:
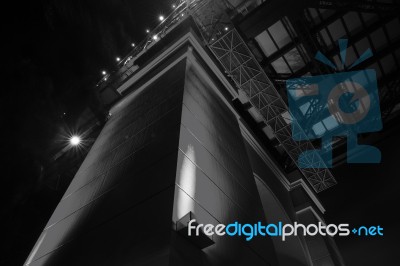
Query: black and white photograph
point(200, 133)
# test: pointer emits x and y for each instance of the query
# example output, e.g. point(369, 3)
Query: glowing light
point(147, 31)
point(173, 6)
point(118, 59)
point(187, 183)
point(103, 72)
point(182, 14)
point(226, 28)
point(133, 45)
point(155, 37)
point(161, 18)
point(75, 140)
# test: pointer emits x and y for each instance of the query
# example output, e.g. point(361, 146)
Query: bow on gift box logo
point(345, 103)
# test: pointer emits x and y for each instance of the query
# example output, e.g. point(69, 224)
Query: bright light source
point(161, 18)
point(182, 14)
point(118, 59)
point(226, 28)
point(155, 37)
point(133, 45)
point(173, 6)
point(103, 72)
point(147, 31)
point(75, 140)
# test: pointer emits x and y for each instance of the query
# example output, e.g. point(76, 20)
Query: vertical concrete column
point(214, 179)
point(171, 146)
point(118, 208)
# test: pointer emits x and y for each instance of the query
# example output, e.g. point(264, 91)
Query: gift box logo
point(343, 104)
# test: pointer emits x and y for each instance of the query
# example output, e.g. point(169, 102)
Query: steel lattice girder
point(239, 63)
point(241, 66)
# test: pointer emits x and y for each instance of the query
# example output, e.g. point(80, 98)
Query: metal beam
point(239, 63)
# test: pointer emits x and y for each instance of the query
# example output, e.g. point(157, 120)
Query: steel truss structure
point(240, 65)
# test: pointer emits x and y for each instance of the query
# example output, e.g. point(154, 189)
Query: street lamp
point(75, 140)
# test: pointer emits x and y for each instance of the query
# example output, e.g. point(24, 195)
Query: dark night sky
point(54, 53)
